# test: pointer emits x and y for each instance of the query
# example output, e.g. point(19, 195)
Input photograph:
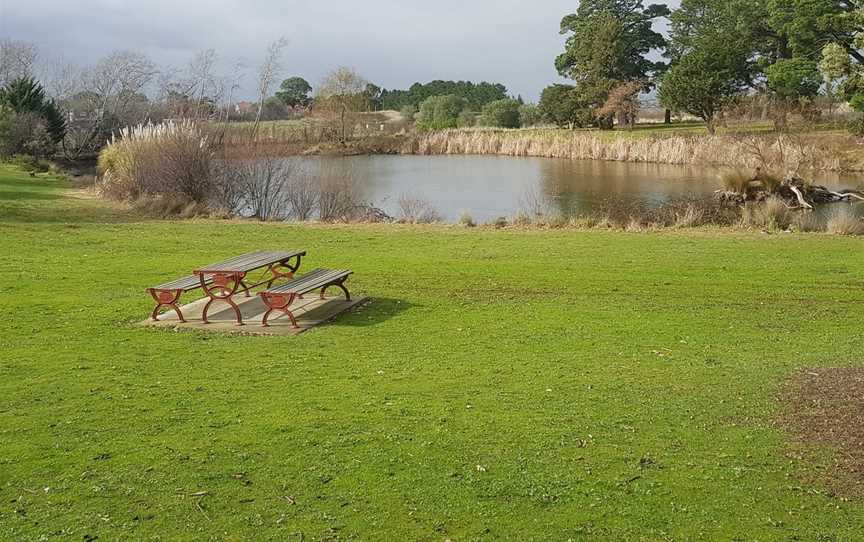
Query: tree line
point(717, 53)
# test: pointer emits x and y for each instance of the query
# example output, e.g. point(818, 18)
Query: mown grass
point(539, 385)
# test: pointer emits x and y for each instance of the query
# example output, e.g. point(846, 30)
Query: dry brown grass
point(824, 408)
point(771, 152)
point(842, 221)
point(773, 214)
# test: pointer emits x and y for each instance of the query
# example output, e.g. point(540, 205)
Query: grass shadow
point(22, 188)
point(374, 311)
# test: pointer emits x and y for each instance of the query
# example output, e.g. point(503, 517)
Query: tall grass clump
point(772, 214)
point(413, 210)
point(736, 180)
point(807, 222)
point(169, 160)
point(842, 221)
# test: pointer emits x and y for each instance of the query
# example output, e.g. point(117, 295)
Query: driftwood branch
point(794, 191)
point(800, 197)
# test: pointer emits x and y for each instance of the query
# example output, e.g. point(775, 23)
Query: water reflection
point(490, 186)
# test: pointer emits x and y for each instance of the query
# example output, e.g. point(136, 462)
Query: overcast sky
point(392, 43)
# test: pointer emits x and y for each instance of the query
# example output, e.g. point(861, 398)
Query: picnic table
point(222, 281)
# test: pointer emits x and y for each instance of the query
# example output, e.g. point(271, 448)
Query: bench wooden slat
point(243, 263)
point(186, 283)
point(282, 297)
point(251, 261)
point(311, 281)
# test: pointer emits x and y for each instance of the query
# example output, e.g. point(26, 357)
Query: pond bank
point(822, 151)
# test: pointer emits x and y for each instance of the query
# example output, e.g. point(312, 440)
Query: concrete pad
point(309, 312)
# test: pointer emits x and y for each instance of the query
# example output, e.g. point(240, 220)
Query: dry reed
point(781, 152)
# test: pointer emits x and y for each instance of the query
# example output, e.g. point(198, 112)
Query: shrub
point(529, 115)
point(563, 106)
point(772, 214)
point(465, 219)
point(408, 113)
point(736, 180)
point(256, 188)
point(807, 222)
point(842, 221)
point(29, 122)
point(440, 112)
point(416, 211)
point(502, 114)
point(339, 200)
point(467, 119)
point(157, 160)
point(24, 133)
point(500, 222)
point(30, 163)
point(856, 127)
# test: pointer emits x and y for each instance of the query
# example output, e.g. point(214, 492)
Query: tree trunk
point(343, 126)
point(712, 127)
point(606, 123)
point(667, 117)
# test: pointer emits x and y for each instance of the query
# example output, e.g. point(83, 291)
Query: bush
point(562, 105)
point(30, 163)
point(856, 127)
point(772, 214)
point(502, 114)
point(807, 222)
point(465, 219)
point(529, 115)
point(30, 123)
point(24, 133)
point(440, 112)
point(416, 211)
point(843, 221)
point(408, 113)
point(157, 160)
point(467, 119)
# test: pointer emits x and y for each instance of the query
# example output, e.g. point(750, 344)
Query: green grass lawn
point(504, 385)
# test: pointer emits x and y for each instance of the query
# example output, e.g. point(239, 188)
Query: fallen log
point(794, 191)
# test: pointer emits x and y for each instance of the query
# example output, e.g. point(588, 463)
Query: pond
point(487, 187)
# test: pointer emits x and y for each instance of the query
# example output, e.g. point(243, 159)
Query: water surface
point(487, 187)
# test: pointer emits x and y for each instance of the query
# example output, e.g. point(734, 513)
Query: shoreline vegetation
point(177, 170)
point(819, 150)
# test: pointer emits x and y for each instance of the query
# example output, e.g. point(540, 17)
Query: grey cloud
point(391, 43)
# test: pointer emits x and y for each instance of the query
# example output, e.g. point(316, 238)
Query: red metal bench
point(281, 297)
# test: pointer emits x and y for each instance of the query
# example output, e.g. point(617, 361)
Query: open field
point(517, 385)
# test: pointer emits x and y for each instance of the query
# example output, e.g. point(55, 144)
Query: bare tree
point(63, 79)
point(111, 96)
point(174, 90)
point(413, 210)
point(232, 83)
point(339, 199)
point(17, 59)
point(302, 197)
point(267, 74)
point(342, 92)
point(117, 80)
point(201, 72)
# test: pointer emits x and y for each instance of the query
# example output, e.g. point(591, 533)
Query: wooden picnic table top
point(249, 262)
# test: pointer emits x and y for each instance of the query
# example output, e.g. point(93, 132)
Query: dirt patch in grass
point(824, 408)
